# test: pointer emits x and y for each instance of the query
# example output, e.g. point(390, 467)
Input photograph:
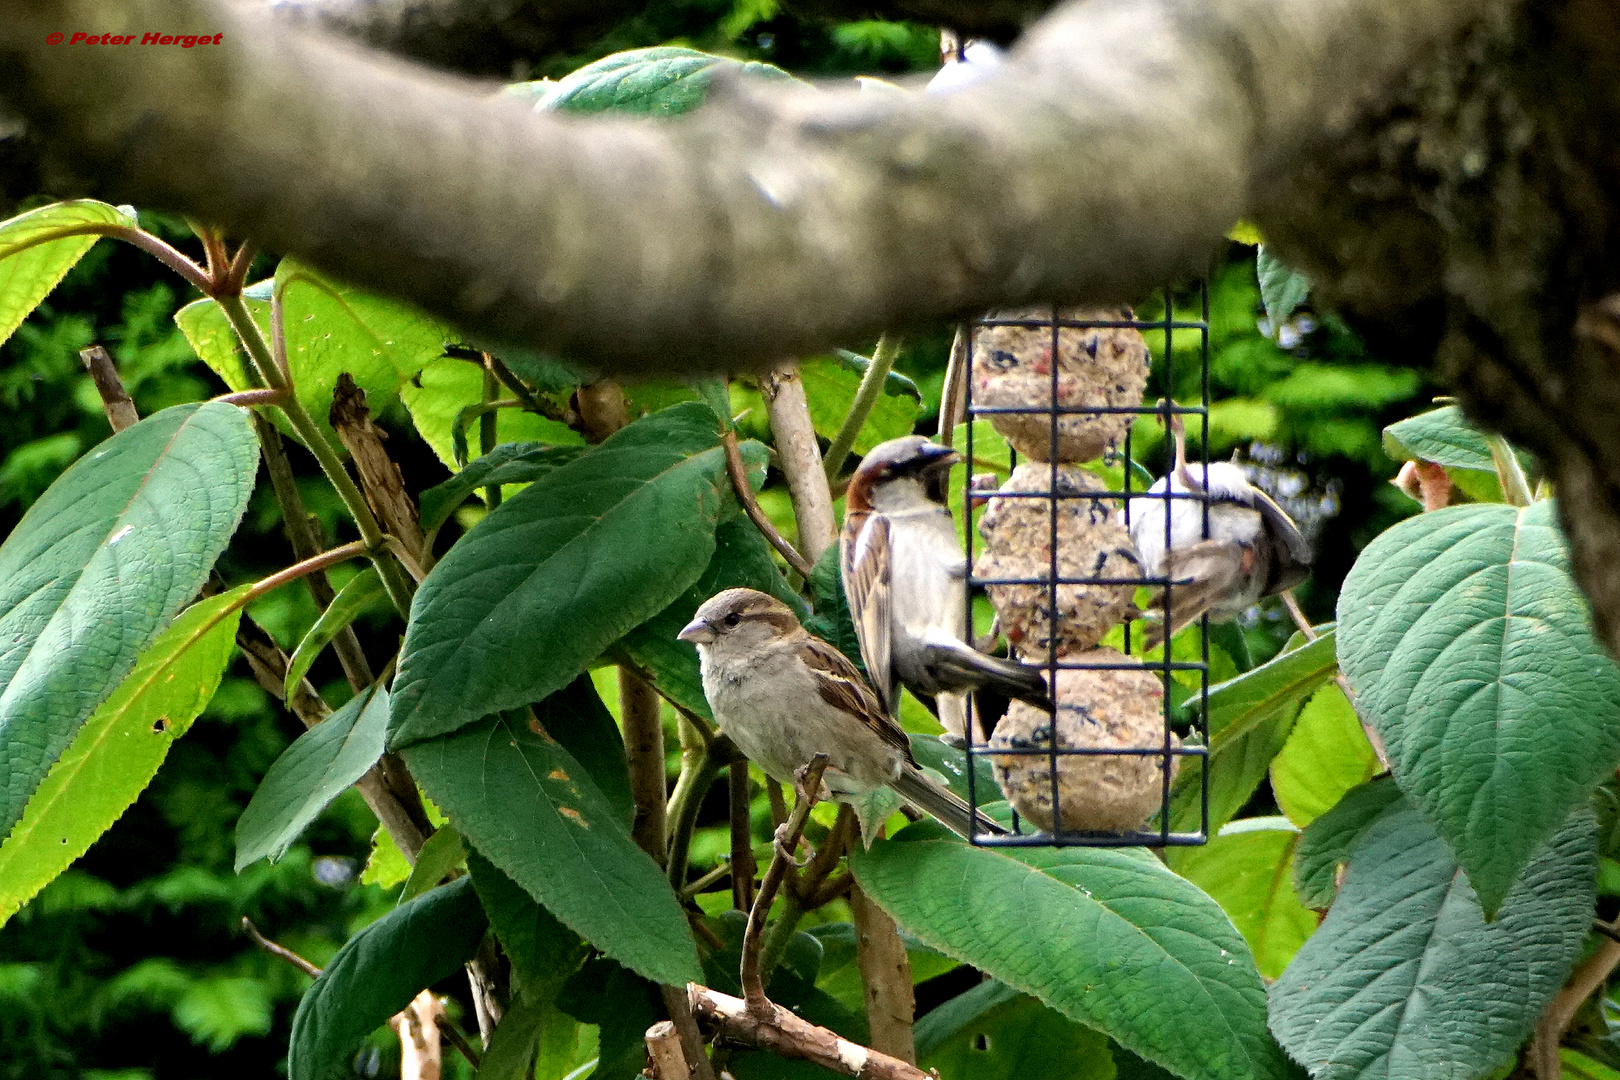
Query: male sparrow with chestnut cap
point(784, 696)
point(906, 581)
point(1253, 548)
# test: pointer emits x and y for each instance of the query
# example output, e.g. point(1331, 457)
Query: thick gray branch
point(1108, 156)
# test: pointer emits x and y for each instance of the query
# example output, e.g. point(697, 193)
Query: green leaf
point(560, 571)
point(1281, 289)
point(1443, 436)
point(215, 342)
point(1247, 869)
point(1327, 842)
point(1406, 978)
point(1575, 1065)
point(1250, 718)
point(118, 750)
point(38, 248)
point(839, 975)
point(742, 559)
point(992, 1032)
point(660, 81)
point(377, 974)
point(101, 563)
point(446, 386)
point(309, 774)
point(361, 591)
point(510, 463)
point(829, 388)
point(440, 854)
point(831, 621)
point(1123, 944)
point(576, 717)
point(1326, 755)
point(951, 764)
point(1470, 651)
point(510, 1054)
point(532, 810)
point(333, 329)
point(623, 1005)
point(543, 951)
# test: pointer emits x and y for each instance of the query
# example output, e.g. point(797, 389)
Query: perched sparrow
point(1106, 709)
point(784, 696)
point(1253, 548)
point(906, 581)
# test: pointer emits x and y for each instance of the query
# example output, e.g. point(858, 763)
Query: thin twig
point(1608, 930)
point(248, 399)
point(707, 881)
point(1509, 473)
point(279, 950)
point(1309, 633)
point(241, 265)
point(787, 838)
point(866, 395)
point(459, 1041)
point(115, 401)
point(665, 1054)
point(679, 1007)
point(953, 396)
point(745, 495)
point(701, 761)
point(486, 432)
point(641, 715)
point(786, 1035)
point(886, 974)
point(800, 460)
point(1589, 975)
point(343, 553)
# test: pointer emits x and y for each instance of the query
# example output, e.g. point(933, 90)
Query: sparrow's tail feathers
point(934, 799)
point(958, 663)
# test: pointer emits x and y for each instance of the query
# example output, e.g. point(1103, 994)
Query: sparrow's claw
point(780, 844)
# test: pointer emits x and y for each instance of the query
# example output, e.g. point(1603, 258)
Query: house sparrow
point(1098, 368)
point(1091, 544)
point(1252, 549)
point(1108, 709)
point(906, 581)
point(784, 696)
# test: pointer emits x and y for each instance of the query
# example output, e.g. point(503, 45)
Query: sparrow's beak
point(697, 632)
point(935, 454)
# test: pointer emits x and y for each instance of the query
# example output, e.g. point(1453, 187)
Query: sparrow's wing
point(865, 559)
point(1202, 573)
point(957, 664)
point(842, 687)
point(1293, 562)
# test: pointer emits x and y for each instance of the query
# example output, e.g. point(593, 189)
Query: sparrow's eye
point(733, 619)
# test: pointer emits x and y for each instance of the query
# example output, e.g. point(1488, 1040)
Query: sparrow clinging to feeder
point(1252, 549)
point(906, 581)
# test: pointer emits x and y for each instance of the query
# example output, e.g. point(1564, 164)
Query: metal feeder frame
point(1196, 743)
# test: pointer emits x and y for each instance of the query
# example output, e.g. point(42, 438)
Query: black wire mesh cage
point(1052, 552)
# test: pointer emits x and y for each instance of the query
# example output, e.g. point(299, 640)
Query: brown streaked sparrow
point(1097, 368)
point(905, 578)
point(1109, 709)
point(1252, 549)
point(784, 696)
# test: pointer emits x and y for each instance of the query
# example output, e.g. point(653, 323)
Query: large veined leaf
point(1443, 436)
point(1250, 718)
point(317, 768)
point(377, 974)
point(363, 590)
point(216, 344)
point(534, 812)
point(101, 563)
point(118, 750)
point(742, 559)
point(1327, 842)
point(543, 951)
point(660, 81)
point(1326, 755)
point(1248, 869)
point(1405, 978)
point(1108, 937)
point(992, 1032)
point(560, 571)
point(510, 463)
point(38, 248)
point(1471, 653)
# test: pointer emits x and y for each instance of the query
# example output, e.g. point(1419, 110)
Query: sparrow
point(1252, 549)
point(784, 696)
point(905, 578)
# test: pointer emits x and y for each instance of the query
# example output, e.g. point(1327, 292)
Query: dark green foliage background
point(133, 963)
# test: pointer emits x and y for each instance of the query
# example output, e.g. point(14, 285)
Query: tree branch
point(787, 838)
point(745, 495)
point(886, 975)
point(800, 455)
point(785, 1034)
point(638, 246)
